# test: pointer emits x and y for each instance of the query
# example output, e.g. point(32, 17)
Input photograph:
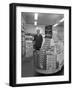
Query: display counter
point(49, 61)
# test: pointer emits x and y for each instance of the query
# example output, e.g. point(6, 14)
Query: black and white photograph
point(40, 44)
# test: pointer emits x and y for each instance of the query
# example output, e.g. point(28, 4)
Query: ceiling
point(43, 19)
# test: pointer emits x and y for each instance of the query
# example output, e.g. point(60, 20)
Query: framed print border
point(12, 41)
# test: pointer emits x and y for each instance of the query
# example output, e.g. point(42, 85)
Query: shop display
point(48, 31)
point(45, 61)
point(51, 53)
point(43, 53)
point(29, 48)
point(23, 45)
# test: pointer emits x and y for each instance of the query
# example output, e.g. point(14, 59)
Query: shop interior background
point(30, 22)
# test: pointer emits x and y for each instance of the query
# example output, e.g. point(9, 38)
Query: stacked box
point(51, 62)
point(23, 43)
point(29, 48)
point(47, 61)
point(42, 57)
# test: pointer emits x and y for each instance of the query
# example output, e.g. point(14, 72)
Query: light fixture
point(58, 22)
point(61, 20)
point(55, 25)
point(36, 16)
point(35, 23)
